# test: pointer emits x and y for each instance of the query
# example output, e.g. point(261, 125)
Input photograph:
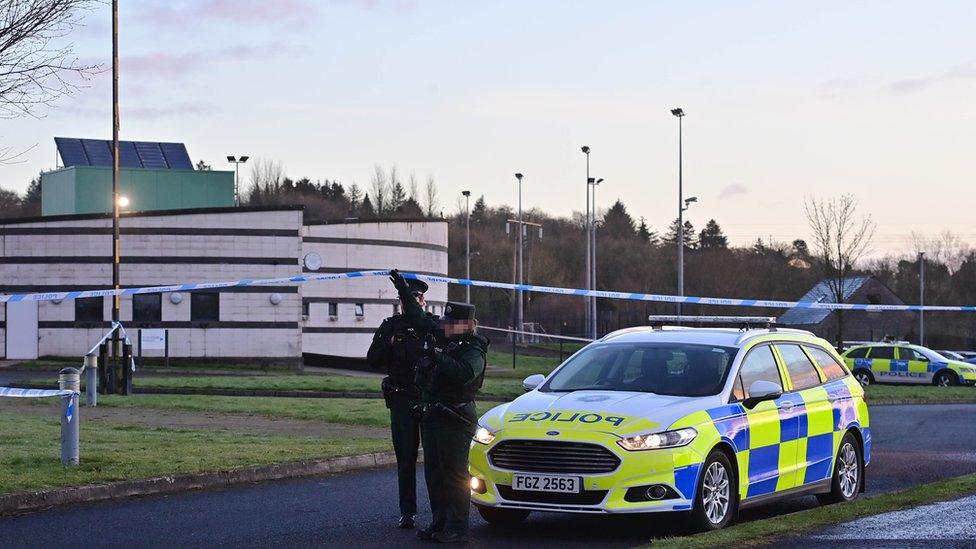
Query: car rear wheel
point(495, 515)
point(864, 377)
point(845, 484)
point(716, 499)
point(946, 379)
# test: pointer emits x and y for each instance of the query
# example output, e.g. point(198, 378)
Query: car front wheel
point(716, 499)
point(845, 484)
point(863, 377)
point(945, 379)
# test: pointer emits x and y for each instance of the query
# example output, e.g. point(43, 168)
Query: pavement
point(913, 445)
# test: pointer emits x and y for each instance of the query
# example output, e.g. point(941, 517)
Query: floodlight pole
point(921, 297)
point(237, 176)
point(589, 255)
point(521, 319)
point(681, 225)
point(116, 247)
point(467, 244)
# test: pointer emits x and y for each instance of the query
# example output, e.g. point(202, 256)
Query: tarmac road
point(912, 445)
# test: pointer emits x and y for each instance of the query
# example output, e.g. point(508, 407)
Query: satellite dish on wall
point(312, 261)
point(175, 298)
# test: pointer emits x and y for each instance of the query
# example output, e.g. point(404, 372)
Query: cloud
point(732, 190)
point(181, 15)
point(176, 109)
point(911, 85)
point(179, 63)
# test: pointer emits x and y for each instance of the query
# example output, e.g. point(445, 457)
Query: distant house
point(858, 325)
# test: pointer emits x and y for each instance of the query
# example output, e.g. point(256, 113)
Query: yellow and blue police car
point(904, 363)
point(703, 421)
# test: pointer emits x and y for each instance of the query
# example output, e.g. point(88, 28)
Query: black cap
point(417, 285)
point(458, 311)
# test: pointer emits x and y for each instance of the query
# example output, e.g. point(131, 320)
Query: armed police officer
point(449, 374)
point(397, 347)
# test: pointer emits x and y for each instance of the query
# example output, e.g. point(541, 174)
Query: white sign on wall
point(153, 340)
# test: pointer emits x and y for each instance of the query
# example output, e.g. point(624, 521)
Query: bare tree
point(431, 191)
point(945, 247)
point(840, 239)
point(412, 189)
point(35, 70)
point(379, 187)
point(265, 180)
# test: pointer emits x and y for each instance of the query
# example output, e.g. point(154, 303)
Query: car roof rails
point(740, 322)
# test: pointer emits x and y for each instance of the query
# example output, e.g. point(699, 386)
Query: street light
point(519, 322)
point(467, 244)
point(682, 205)
point(593, 315)
point(586, 231)
point(921, 297)
point(123, 202)
point(237, 176)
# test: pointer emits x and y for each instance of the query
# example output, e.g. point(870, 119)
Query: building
point(858, 325)
point(323, 320)
point(156, 176)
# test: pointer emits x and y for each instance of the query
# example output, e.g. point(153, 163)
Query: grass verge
point(762, 532)
point(920, 394)
point(30, 458)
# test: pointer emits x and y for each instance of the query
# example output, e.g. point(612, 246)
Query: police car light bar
point(740, 320)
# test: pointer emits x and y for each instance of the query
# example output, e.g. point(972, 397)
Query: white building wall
point(219, 245)
point(411, 246)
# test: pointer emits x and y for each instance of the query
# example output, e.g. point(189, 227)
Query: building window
point(89, 309)
point(147, 307)
point(360, 310)
point(204, 306)
point(306, 308)
point(333, 309)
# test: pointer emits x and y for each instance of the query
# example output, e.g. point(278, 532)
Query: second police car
point(904, 363)
point(702, 421)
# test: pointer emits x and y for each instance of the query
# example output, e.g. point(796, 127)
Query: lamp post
point(586, 231)
point(595, 318)
point(237, 176)
point(681, 208)
point(921, 297)
point(520, 319)
point(467, 244)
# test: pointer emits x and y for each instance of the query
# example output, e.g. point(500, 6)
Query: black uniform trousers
point(405, 427)
point(446, 442)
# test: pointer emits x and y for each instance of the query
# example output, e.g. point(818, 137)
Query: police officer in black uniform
point(450, 374)
point(397, 347)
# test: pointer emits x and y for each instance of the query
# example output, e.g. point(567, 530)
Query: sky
point(785, 101)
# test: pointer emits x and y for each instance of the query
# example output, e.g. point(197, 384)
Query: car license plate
point(547, 483)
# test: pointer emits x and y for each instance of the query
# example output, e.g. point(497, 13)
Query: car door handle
point(787, 407)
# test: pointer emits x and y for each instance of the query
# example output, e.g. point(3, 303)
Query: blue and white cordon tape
point(34, 393)
point(775, 304)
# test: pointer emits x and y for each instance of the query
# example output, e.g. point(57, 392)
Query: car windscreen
point(678, 369)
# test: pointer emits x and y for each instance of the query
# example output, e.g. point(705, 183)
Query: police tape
point(606, 294)
point(34, 393)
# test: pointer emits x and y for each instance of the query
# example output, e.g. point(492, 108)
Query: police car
point(703, 421)
point(904, 363)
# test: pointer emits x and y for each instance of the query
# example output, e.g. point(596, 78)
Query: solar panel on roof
point(99, 152)
point(132, 154)
point(128, 157)
point(176, 156)
point(151, 155)
point(71, 151)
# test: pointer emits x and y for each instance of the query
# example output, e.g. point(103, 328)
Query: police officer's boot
point(406, 522)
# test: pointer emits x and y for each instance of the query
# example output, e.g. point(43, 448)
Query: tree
point(711, 237)
point(398, 197)
point(379, 186)
point(355, 196)
point(480, 211)
point(30, 205)
point(431, 192)
point(840, 238)
point(35, 70)
point(366, 209)
point(645, 235)
point(203, 166)
point(617, 223)
point(690, 238)
point(9, 204)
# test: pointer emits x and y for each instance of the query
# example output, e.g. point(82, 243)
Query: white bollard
point(91, 380)
point(69, 379)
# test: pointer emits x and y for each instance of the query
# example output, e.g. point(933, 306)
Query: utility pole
point(467, 244)
point(116, 247)
point(921, 297)
point(521, 318)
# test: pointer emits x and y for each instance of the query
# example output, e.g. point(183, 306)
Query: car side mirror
point(533, 381)
point(760, 391)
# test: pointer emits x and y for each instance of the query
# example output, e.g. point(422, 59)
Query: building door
point(22, 330)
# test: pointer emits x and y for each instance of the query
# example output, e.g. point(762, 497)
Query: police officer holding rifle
point(450, 373)
point(397, 347)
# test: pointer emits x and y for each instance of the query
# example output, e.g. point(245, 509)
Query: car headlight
point(968, 370)
point(483, 436)
point(667, 439)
